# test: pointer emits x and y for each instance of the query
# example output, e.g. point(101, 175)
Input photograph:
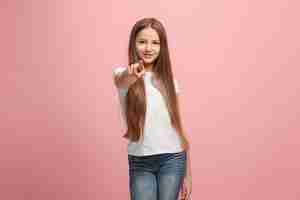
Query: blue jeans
point(156, 177)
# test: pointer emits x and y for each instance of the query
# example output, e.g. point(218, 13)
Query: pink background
point(237, 63)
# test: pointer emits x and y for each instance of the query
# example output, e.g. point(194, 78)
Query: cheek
point(139, 49)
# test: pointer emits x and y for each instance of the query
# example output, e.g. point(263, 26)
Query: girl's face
point(147, 44)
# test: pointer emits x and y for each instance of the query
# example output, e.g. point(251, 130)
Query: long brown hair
point(136, 97)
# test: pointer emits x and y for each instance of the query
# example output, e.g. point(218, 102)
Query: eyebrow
point(146, 39)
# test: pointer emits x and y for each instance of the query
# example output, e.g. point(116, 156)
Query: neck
point(148, 67)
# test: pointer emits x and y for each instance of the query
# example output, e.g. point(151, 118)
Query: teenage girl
point(158, 149)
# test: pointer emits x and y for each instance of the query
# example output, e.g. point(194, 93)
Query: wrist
point(188, 175)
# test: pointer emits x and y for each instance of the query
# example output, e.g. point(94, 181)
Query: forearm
point(188, 166)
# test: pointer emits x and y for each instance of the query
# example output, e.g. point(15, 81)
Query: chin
point(149, 61)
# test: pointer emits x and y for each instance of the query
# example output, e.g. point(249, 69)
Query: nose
point(148, 47)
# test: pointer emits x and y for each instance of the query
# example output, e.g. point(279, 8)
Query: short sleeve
point(121, 91)
point(118, 70)
point(177, 89)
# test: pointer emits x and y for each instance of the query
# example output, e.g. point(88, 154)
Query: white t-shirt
point(159, 135)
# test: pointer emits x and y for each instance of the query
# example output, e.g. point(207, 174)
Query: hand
point(137, 69)
point(186, 188)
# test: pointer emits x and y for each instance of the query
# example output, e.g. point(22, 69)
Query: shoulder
point(116, 71)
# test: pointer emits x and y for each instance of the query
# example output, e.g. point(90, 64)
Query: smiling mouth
point(148, 55)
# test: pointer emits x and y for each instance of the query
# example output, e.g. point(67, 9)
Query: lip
point(148, 55)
